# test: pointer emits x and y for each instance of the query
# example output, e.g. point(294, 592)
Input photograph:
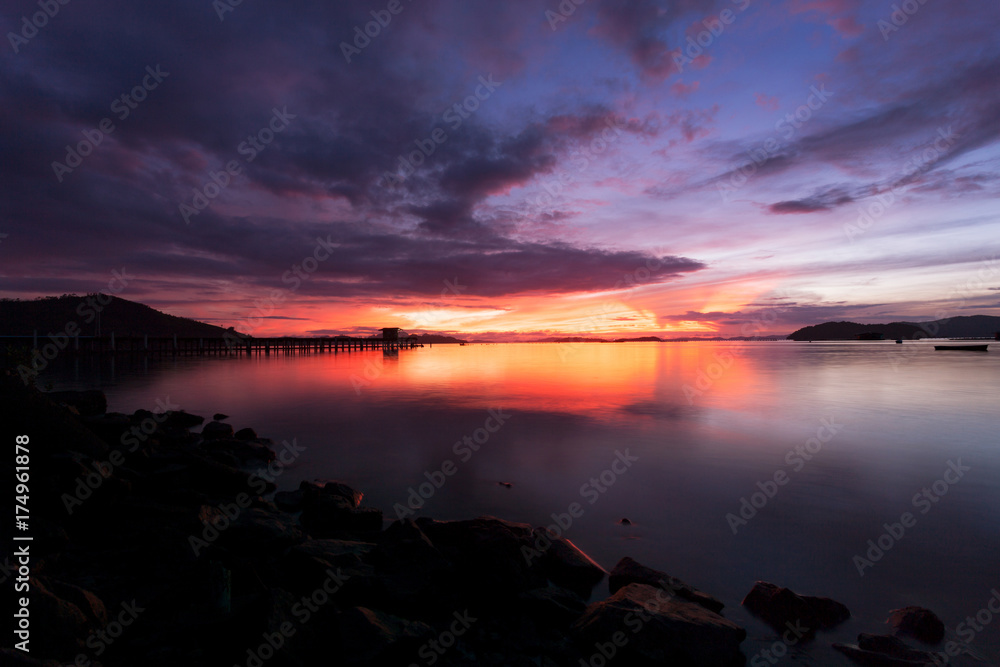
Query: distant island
point(971, 326)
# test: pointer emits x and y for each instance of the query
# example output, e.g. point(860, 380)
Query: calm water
point(706, 423)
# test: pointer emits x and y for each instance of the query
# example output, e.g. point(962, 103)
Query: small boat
point(964, 348)
point(899, 341)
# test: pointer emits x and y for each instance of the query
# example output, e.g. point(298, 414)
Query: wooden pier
point(181, 346)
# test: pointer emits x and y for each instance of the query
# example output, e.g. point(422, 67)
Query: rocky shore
point(159, 539)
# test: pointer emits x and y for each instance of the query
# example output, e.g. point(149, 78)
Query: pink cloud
point(765, 102)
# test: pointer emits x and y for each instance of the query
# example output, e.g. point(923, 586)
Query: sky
point(506, 170)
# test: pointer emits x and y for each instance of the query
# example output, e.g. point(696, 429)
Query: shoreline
point(187, 511)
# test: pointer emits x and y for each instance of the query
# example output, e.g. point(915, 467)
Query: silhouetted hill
point(954, 327)
point(438, 338)
point(641, 339)
point(124, 317)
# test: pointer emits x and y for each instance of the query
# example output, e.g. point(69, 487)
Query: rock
point(243, 451)
point(306, 565)
point(624, 522)
point(218, 416)
point(779, 606)
point(216, 430)
point(259, 529)
point(552, 605)
point(917, 622)
point(289, 501)
point(57, 624)
point(658, 630)
point(181, 419)
point(412, 572)
point(329, 516)
point(110, 426)
point(885, 651)
point(492, 557)
point(245, 434)
point(326, 488)
point(12, 658)
point(89, 403)
point(628, 571)
point(371, 637)
point(566, 565)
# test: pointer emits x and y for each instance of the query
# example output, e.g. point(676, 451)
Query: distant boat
point(899, 341)
point(965, 348)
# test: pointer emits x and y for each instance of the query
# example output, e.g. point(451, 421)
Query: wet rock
point(329, 488)
point(413, 574)
point(13, 658)
point(652, 629)
point(552, 605)
point(306, 565)
point(778, 606)
point(885, 651)
point(57, 624)
point(628, 571)
point(218, 416)
point(289, 501)
point(917, 622)
point(624, 522)
point(215, 429)
point(110, 426)
point(330, 516)
point(492, 557)
point(566, 565)
point(89, 403)
point(258, 529)
point(371, 637)
point(245, 434)
point(244, 451)
point(181, 419)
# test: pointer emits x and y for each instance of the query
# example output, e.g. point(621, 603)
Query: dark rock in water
point(624, 522)
point(412, 572)
point(258, 529)
point(331, 515)
point(492, 557)
point(566, 565)
point(505, 484)
point(673, 631)
point(306, 565)
point(88, 403)
point(245, 434)
point(553, 606)
point(218, 416)
point(329, 488)
point(372, 637)
point(779, 606)
point(110, 426)
point(885, 651)
point(289, 501)
point(181, 419)
point(628, 571)
point(917, 622)
point(217, 430)
point(243, 450)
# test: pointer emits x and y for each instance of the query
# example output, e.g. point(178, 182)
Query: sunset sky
point(506, 169)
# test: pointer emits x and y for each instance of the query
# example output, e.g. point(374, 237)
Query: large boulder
point(259, 529)
point(567, 565)
point(917, 622)
point(886, 651)
point(333, 515)
point(628, 571)
point(492, 557)
point(330, 488)
point(650, 628)
point(87, 403)
point(779, 606)
point(213, 430)
point(552, 606)
point(181, 419)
